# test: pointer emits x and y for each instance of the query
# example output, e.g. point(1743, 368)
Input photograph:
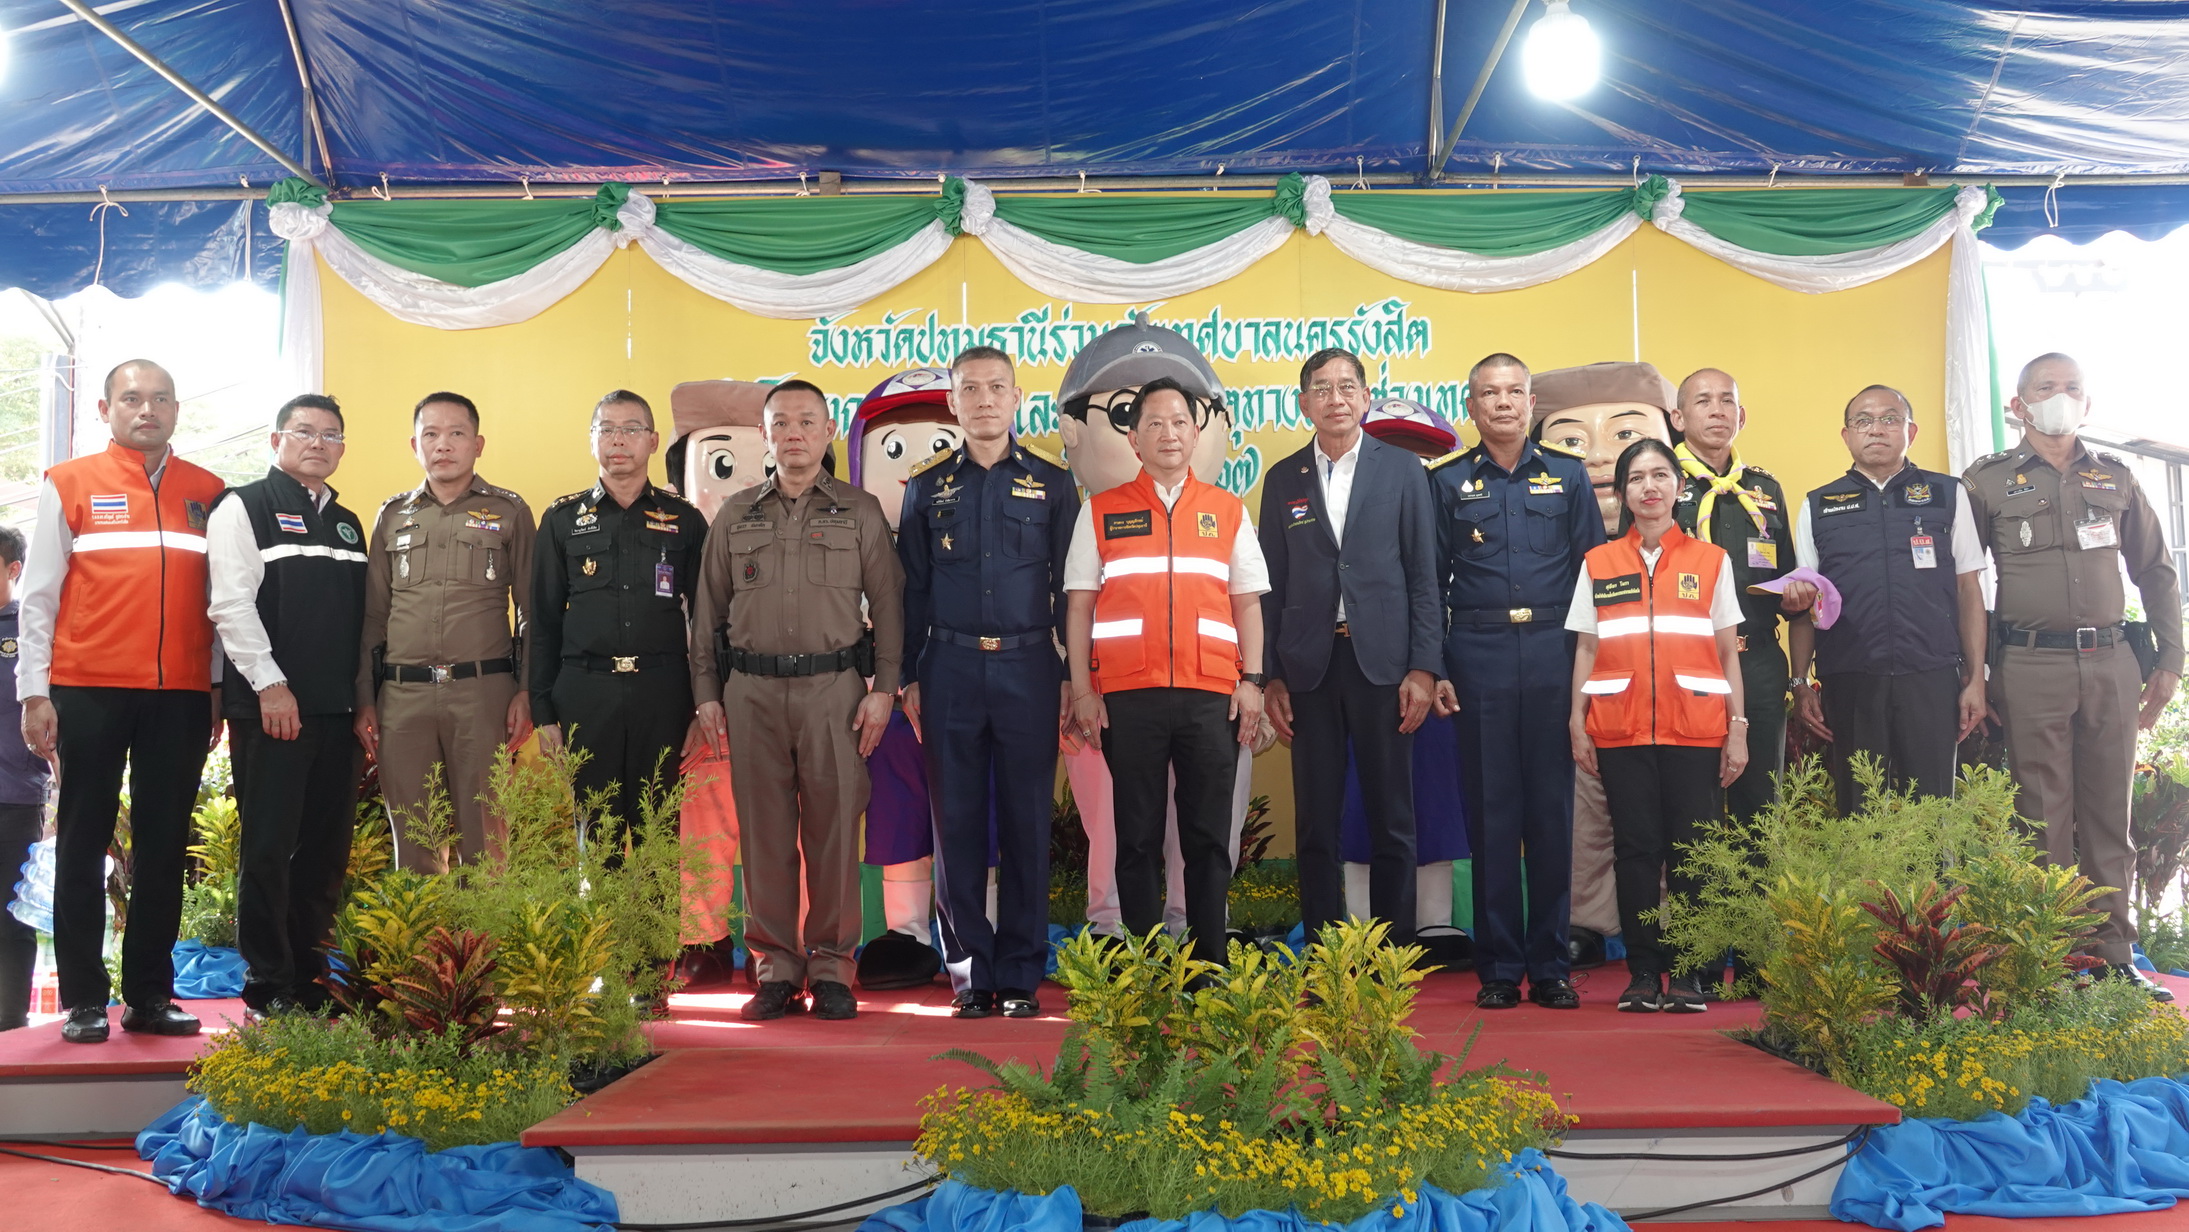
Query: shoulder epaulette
point(504, 493)
point(1552, 447)
point(932, 461)
point(1990, 458)
point(1453, 456)
point(560, 501)
point(391, 500)
point(2110, 459)
point(1750, 466)
point(1044, 455)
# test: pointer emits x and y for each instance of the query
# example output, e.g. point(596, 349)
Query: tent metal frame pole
point(1474, 96)
point(311, 98)
point(1436, 97)
point(92, 18)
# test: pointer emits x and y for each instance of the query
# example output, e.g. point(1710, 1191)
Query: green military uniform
point(2063, 678)
point(611, 588)
point(439, 586)
point(797, 582)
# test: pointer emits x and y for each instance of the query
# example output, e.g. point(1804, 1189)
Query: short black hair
point(1316, 361)
point(11, 546)
point(308, 402)
point(107, 389)
point(470, 408)
point(625, 395)
point(793, 386)
point(1149, 390)
point(1905, 405)
point(1495, 359)
point(974, 353)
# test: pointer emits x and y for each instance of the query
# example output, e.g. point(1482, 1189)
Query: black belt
point(792, 664)
point(1343, 630)
point(1511, 616)
point(624, 663)
point(2080, 639)
point(437, 673)
point(971, 642)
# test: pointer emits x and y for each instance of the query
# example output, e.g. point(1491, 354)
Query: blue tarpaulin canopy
point(440, 92)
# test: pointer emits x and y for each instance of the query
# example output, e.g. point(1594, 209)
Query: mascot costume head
point(1099, 386)
point(719, 445)
point(1596, 411)
point(904, 422)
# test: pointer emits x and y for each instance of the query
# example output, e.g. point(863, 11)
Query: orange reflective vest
point(133, 604)
point(1163, 615)
point(1657, 679)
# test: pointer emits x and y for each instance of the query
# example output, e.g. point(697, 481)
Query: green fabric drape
point(1137, 229)
point(802, 235)
point(1498, 224)
point(1793, 222)
point(469, 243)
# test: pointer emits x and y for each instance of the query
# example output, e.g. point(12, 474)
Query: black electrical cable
point(1861, 1135)
point(1789, 1153)
point(85, 1163)
point(70, 1144)
point(792, 1220)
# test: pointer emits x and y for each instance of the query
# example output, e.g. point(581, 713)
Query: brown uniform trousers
point(2060, 543)
point(439, 587)
point(791, 577)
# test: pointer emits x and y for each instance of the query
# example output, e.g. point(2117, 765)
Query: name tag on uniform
point(1609, 592)
point(2101, 533)
point(290, 522)
point(1127, 525)
point(1841, 502)
point(1763, 554)
point(2020, 485)
point(1924, 551)
point(835, 521)
point(665, 580)
point(402, 543)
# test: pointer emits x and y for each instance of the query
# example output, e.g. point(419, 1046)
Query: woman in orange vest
point(1656, 704)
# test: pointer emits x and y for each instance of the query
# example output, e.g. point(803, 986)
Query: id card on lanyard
point(1922, 548)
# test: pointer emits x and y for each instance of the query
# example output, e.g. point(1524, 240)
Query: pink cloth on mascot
point(1826, 609)
point(708, 823)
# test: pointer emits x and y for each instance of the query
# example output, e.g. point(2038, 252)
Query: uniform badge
point(1691, 586)
point(2020, 485)
point(751, 570)
point(1545, 485)
point(946, 542)
point(1478, 534)
point(586, 521)
point(947, 493)
point(1916, 494)
point(1762, 501)
point(7, 647)
point(2099, 481)
point(1207, 523)
point(108, 510)
point(1019, 488)
point(1300, 509)
point(482, 519)
point(2025, 533)
point(347, 531)
point(193, 512)
point(590, 567)
point(290, 522)
point(657, 520)
point(1474, 489)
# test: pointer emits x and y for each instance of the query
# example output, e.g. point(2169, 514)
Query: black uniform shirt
point(1759, 553)
point(610, 580)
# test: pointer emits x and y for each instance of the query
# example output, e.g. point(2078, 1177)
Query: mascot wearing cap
point(905, 421)
point(1596, 411)
point(1098, 389)
point(1440, 802)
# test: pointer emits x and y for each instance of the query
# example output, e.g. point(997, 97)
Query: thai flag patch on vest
point(110, 509)
point(291, 522)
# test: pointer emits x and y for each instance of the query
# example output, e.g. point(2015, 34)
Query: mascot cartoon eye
point(942, 441)
point(721, 465)
point(893, 448)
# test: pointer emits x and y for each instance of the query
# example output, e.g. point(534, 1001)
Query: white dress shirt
point(1725, 600)
point(1336, 476)
point(1968, 550)
point(238, 570)
point(1083, 560)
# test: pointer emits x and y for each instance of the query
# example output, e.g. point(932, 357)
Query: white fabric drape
point(1968, 355)
point(1832, 271)
point(1091, 278)
point(1449, 269)
point(767, 293)
point(303, 343)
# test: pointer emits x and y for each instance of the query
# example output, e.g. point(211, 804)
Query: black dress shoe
point(973, 1003)
point(1019, 1003)
point(833, 1002)
point(1498, 995)
point(1554, 994)
point(165, 1018)
point(1584, 948)
point(2159, 992)
point(775, 999)
point(86, 1025)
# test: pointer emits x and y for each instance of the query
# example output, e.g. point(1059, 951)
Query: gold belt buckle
point(1520, 615)
point(626, 663)
point(991, 643)
point(441, 672)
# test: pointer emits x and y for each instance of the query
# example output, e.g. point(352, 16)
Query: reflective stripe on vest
point(281, 551)
point(1657, 677)
point(115, 540)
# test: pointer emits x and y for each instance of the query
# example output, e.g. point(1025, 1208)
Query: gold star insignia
point(1478, 534)
point(946, 543)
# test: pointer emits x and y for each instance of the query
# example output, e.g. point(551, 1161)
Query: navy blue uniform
point(983, 551)
point(1511, 544)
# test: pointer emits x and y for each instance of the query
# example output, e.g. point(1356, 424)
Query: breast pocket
point(2026, 524)
point(1026, 529)
point(481, 557)
point(2111, 506)
point(832, 556)
point(946, 537)
point(1546, 518)
point(1481, 529)
point(587, 562)
point(752, 564)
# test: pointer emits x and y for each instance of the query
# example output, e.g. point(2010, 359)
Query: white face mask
point(2057, 415)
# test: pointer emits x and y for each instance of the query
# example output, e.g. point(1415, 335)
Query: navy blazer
point(1388, 568)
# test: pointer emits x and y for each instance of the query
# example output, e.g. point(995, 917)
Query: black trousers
point(20, 825)
point(1347, 711)
point(631, 727)
point(1907, 722)
point(1658, 794)
point(1152, 733)
point(160, 735)
point(1763, 684)
point(297, 800)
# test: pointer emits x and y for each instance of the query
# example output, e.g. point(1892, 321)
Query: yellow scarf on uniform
point(1720, 485)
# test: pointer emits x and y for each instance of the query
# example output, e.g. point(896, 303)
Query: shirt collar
point(1332, 464)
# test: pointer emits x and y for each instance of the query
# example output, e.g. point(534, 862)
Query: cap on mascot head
point(1410, 425)
point(1134, 354)
point(1596, 411)
point(914, 387)
point(722, 419)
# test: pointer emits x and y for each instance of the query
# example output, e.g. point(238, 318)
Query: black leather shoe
point(166, 1018)
point(775, 999)
point(973, 1003)
point(2159, 992)
point(1498, 995)
point(833, 1002)
point(1019, 1003)
point(86, 1025)
point(1584, 948)
point(1554, 994)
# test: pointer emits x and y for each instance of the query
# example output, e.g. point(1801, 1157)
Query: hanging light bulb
point(1563, 56)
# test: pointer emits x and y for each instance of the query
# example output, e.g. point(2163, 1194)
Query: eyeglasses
point(1120, 408)
point(1344, 389)
point(305, 436)
point(1863, 423)
point(620, 432)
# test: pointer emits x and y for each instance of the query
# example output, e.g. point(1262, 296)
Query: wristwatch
point(1259, 680)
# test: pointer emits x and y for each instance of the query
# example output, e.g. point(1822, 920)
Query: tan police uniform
point(2064, 679)
point(789, 578)
point(439, 587)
